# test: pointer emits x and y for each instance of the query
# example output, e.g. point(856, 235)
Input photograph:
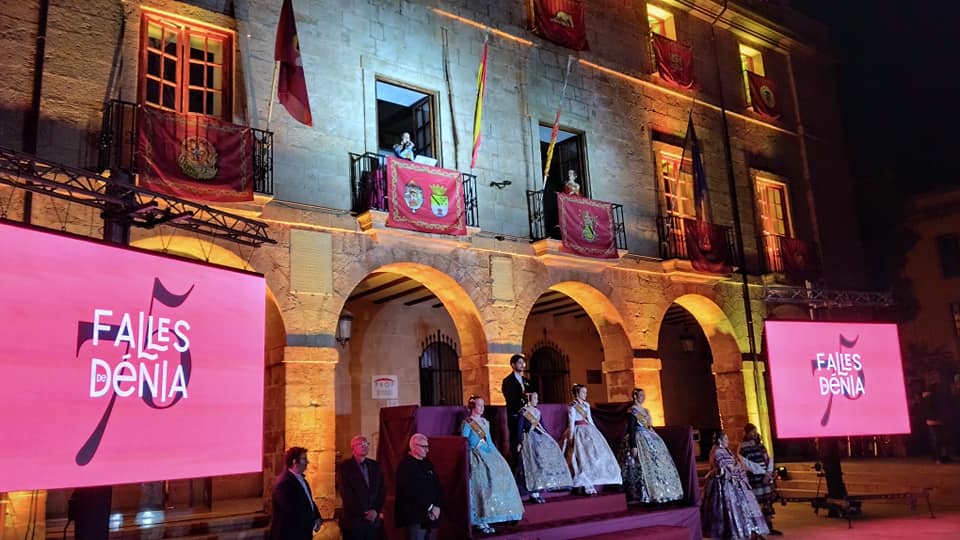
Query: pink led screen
point(836, 379)
point(121, 366)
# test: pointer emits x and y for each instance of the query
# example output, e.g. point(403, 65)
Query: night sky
point(899, 78)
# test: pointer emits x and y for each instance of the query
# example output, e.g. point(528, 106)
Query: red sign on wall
point(836, 379)
point(121, 366)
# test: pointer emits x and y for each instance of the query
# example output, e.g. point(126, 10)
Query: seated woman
point(729, 509)
point(405, 149)
point(493, 492)
point(591, 461)
point(541, 465)
point(649, 474)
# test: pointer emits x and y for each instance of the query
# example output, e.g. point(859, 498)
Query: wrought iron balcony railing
point(118, 145)
point(368, 187)
point(772, 258)
point(544, 221)
point(673, 240)
point(797, 259)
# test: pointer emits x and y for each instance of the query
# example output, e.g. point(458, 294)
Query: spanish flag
point(478, 111)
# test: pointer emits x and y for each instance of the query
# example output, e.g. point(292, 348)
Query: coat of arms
point(198, 158)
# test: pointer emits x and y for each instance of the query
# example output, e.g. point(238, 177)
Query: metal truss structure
point(825, 298)
point(127, 203)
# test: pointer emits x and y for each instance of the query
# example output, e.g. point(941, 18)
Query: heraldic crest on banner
point(424, 198)
point(587, 226)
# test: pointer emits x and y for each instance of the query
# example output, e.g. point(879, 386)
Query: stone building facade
point(492, 286)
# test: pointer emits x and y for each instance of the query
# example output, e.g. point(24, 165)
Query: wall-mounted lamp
point(500, 185)
point(344, 327)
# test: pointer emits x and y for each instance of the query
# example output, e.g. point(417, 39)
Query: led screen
point(836, 379)
point(122, 366)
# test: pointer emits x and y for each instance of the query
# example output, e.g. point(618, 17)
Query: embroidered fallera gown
point(650, 476)
point(542, 466)
point(729, 509)
point(591, 461)
point(493, 492)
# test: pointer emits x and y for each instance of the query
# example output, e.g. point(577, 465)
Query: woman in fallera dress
point(649, 474)
point(729, 510)
point(493, 492)
point(541, 464)
point(591, 461)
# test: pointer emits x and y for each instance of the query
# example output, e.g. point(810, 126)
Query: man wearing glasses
point(418, 491)
point(360, 483)
point(295, 515)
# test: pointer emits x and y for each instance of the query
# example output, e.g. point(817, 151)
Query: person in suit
point(418, 491)
point(360, 483)
point(295, 515)
point(515, 387)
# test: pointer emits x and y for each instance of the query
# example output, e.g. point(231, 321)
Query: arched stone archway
point(727, 359)
point(617, 363)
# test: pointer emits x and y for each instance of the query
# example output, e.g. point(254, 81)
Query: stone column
point(477, 379)
point(646, 375)
point(498, 367)
point(755, 392)
point(730, 401)
point(310, 417)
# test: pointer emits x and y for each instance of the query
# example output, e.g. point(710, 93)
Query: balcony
point(118, 145)
point(543, 219)
point(368, 187)
point(673, 240)
point(796, 259)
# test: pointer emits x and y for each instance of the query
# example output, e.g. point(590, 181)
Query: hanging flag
point(587, 226)
point(694, 167)
point(674, 61)
point(561, 21)
point(556, 124)
point(424, 198)
point(291, 84)
point(799, 259)
point(478, 109)
point(763, 96)
point(194, 157)
point(707, 246)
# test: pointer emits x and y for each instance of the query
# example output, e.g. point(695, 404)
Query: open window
point(773, 209)
point(185, 67)
point(661, 22)
point(567, 163)
point(750, 60)
point(402, 109)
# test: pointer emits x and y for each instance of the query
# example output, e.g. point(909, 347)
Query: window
point(568, 161)
point(401, 109)
point(948, 248)
point(773, 207)
point(661, 22)
point(750, 60)
point(185, 67)
point(676, 185)
point(955, 313)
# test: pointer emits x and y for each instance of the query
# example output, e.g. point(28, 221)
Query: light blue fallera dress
point(494, 497)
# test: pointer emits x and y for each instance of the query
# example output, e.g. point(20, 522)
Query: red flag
point(562, 22)
point(424, 198)
point(707, 246)
point(195, 157)
point(763, 96)
point(478, 109)
point(587, 227)
point(674, 61)
point(292, 85)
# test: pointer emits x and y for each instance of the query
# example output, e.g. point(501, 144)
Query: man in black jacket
point(515, 388)
point(295, 515)
point(418, 491)
point(360, 482)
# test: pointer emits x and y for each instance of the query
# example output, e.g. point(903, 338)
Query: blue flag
point(694, 167)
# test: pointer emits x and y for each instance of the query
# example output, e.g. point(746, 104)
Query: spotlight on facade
point(344, 327)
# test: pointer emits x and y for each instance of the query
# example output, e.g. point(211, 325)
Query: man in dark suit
point(418, 491)
point(295, 515)
point(515, 388)
point(360, 483)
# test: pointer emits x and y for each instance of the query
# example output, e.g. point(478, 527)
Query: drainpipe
point(735, 208)
point(32, 121)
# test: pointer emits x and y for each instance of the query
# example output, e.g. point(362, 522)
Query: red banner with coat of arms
point(562, 22)
point(424, 198)
point(195, 157)
point(587, 227)
point(800, 260)
point(707, 246)
point(763, 96)
point(674, 61)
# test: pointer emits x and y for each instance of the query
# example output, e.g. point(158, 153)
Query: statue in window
point(571, 186)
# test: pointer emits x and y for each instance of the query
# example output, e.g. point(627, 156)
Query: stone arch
point(617, 361)
point(727, 359)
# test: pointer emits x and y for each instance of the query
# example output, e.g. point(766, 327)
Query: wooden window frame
point(435, 147)
point(750, 60)
point(661, 22)
point(670, 155)
point(187, 29)
point(762, 180)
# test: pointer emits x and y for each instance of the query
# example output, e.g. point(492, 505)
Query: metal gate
point(549, 371)
point(440, 382)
